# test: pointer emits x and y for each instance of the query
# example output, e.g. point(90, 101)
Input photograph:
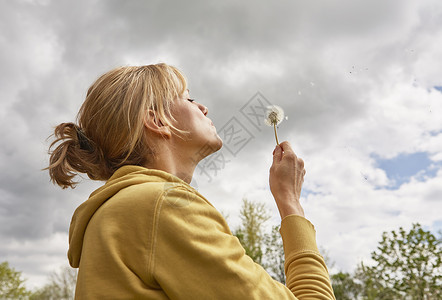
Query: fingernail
point(277, 147)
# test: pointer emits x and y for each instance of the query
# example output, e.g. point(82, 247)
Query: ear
point(155, 126)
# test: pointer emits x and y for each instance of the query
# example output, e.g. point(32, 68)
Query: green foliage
point(61, 286)
point(253, 217)
point(408, 265)
point(11, 283)
point(274, 255)
point(345, 287)
point(372, 288)
point(264, 248)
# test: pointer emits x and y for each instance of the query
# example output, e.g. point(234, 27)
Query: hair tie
point(83, 139)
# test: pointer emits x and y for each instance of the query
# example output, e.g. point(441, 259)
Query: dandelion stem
point(276, 135)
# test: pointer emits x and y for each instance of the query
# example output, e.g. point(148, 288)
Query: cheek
point(187, 121)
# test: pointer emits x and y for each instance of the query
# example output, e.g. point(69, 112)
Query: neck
point(173, 163)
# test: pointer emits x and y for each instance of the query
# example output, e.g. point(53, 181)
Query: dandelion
point(274, 116)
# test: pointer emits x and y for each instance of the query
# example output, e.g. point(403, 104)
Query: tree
point(327, 259)
point(265, 248)
point(274, 255)
point(61, 286)
point(251, 232)
point(408, 266)
point(11, 283)
point(344, 286)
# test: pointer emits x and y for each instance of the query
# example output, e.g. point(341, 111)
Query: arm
point(305, 269)
point(196, 256)
point(303, 263)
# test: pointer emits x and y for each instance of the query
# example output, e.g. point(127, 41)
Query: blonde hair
point(110, 130)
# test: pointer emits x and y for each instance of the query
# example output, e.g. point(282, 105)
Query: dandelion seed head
point(274, 115)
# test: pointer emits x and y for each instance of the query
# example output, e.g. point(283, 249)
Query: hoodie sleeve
point(196, 256)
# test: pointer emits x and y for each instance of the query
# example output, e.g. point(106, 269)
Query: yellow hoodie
point(147, 234)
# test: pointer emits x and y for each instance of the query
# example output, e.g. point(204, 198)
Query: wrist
point(290, 209)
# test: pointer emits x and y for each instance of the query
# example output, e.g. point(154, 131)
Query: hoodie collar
point(122, 178)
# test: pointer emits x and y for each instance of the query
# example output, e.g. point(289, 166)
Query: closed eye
point(191, 100)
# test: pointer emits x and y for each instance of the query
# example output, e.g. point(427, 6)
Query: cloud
point(359, 84)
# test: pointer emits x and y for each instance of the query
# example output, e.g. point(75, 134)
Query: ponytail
point(71, 153)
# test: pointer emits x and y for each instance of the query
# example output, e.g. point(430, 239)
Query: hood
point(122, 178)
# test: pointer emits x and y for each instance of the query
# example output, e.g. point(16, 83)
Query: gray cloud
point(353, 77)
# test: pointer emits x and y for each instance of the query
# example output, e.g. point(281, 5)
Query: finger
point(300, 163)
point(277, 153)
point(285, 145)
point(286, 148)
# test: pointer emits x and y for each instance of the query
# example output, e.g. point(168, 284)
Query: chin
point(214, 145)
point(219, 143)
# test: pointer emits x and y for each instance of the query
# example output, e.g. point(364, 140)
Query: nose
point(204, 109)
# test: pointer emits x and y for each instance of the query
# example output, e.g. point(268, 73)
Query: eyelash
point(191, 100)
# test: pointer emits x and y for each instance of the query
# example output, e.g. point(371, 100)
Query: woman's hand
point(286, 178)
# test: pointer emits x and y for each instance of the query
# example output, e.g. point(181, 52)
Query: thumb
point(277, 153)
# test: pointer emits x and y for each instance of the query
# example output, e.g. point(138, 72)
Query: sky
point(360, 83)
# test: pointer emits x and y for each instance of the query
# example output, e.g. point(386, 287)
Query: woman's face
point(191, 116)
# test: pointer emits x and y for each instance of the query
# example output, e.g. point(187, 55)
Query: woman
point(146, 233)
